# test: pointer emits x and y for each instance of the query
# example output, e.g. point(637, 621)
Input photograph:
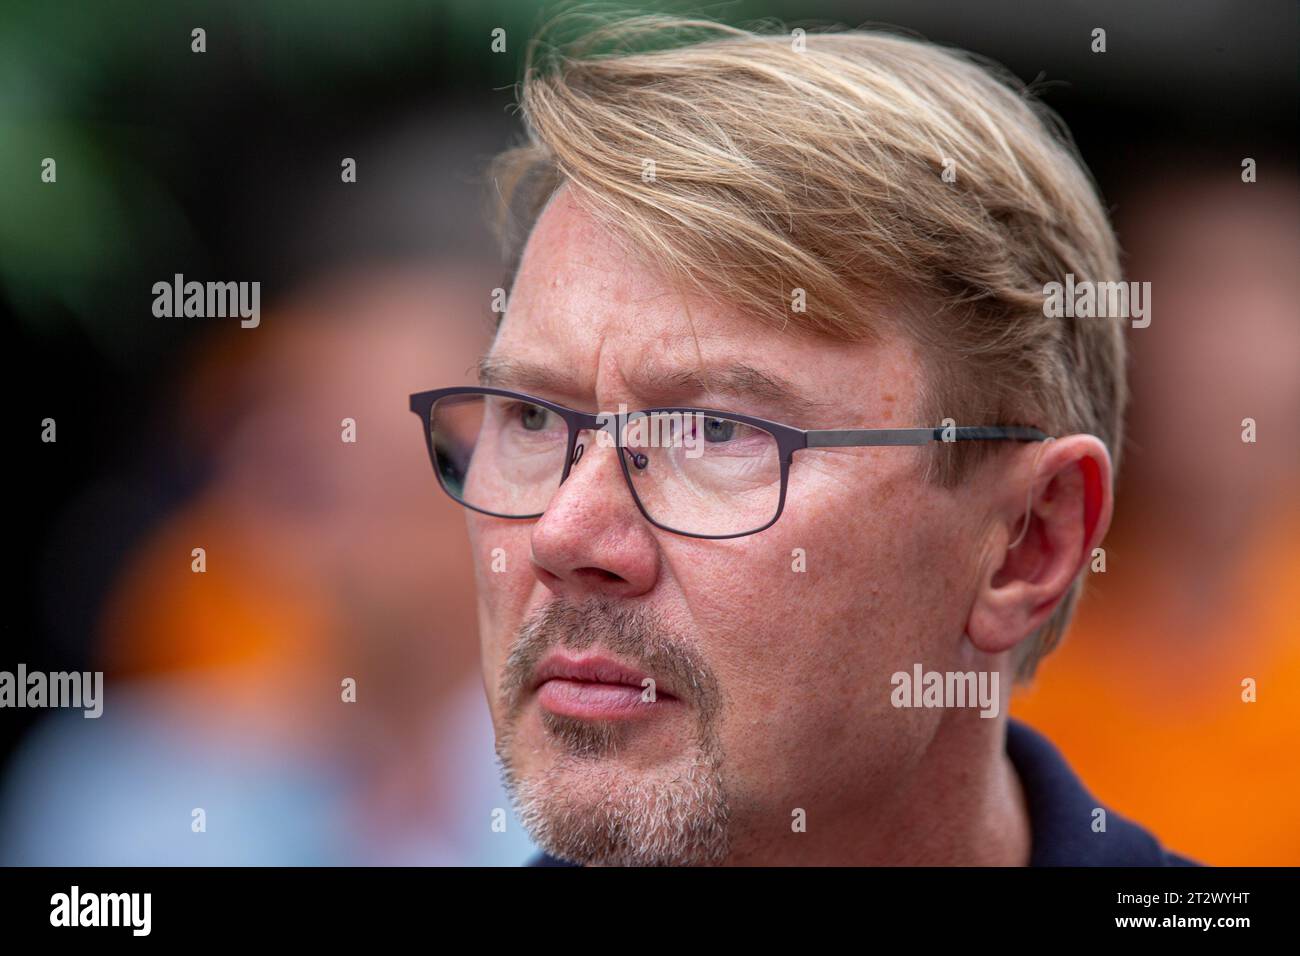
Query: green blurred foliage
point(111, 90)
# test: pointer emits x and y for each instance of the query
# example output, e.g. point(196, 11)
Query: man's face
point(771, 653)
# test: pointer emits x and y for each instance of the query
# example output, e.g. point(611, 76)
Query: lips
point(595, 687)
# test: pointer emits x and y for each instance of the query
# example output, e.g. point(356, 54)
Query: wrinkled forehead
point(591, 321)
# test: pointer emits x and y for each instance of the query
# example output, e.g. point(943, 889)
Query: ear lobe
point(1069, 512)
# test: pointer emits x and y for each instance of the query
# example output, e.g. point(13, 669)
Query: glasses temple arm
point(858, 437)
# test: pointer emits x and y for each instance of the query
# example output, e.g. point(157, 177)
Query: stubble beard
point(591, 804)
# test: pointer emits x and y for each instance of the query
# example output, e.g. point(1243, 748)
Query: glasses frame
point(788, 439)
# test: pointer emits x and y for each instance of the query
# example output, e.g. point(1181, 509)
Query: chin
point(614, 810)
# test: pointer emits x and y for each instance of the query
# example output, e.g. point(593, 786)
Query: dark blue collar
point(1061, 814)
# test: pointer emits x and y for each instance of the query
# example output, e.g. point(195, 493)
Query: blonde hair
point(777, 168)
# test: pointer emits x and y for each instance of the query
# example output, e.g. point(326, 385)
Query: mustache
point(637, 635)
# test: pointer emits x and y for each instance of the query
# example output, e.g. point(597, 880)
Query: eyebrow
point(657, 383)
point(504, 373)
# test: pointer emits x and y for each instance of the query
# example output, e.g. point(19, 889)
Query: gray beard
point(674, 816)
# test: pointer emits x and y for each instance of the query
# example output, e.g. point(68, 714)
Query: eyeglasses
point(691, 471)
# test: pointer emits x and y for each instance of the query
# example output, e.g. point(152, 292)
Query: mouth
point(595, 687)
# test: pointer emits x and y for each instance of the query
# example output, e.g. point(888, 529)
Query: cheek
point(866, 552)
point(804, 622)
point(503, 574)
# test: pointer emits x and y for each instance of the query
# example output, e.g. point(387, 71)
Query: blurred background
point(328, 560)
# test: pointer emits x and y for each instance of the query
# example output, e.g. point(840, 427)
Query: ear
point(1070, 501)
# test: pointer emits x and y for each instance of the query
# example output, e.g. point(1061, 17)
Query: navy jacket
point(1060, 814)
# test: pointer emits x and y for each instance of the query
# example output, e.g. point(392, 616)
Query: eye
point(532, 417)
point(719, 429)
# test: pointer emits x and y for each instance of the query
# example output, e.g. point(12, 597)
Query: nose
point(592, 540)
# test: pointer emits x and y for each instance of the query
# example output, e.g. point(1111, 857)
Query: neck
point(962, 805)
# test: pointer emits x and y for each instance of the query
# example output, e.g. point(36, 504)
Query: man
point(775, 620)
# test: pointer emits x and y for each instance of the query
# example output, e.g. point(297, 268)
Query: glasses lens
point(497, 453)
point(703, 474)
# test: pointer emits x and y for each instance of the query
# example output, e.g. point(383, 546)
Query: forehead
point(576, 277)
point(595, 311)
